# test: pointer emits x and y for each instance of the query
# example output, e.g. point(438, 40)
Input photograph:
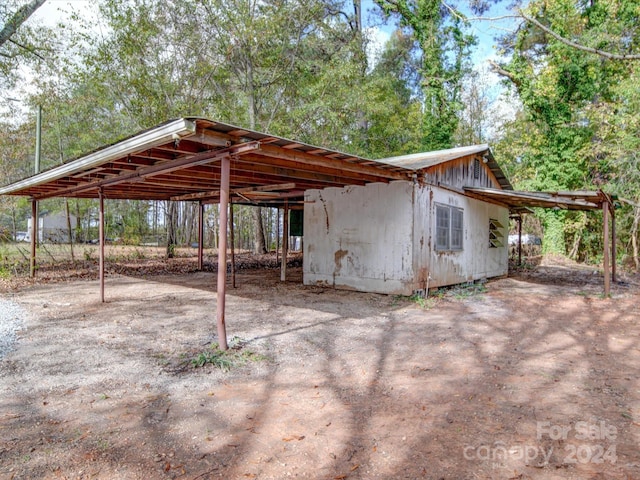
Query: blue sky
point(484, 30)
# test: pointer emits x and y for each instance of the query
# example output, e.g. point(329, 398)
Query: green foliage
point(422, 301)
point(237, 355)
point(460, 292)
point(554, 241)
point(392, 112)
point(444, 48)
point(578, 112)
point(299, 69)
point(20, 42)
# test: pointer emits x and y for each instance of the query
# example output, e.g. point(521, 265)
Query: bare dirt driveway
point(536, 377)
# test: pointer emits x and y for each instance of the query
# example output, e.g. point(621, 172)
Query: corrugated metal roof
point(419, 161)
point(516, 199)
point(426, 160)
point(175, 160)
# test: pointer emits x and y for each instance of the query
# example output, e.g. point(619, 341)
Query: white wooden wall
point(380, 237)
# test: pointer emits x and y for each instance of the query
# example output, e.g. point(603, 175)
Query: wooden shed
point(407, 236)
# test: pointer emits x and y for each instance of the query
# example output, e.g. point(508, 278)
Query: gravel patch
point(11, 320)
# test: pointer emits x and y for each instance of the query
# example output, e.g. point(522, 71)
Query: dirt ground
point(536, 377)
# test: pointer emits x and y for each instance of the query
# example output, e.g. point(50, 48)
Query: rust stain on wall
point(338, 256)
point(326, 213)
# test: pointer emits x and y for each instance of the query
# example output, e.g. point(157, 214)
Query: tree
point(444, 49)
point(265, 65)
point(474, 118)
point(17, 42)
point(564, 90)
point(391, 110)
point(15, 20)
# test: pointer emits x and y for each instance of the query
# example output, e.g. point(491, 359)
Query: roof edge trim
point(149, 139)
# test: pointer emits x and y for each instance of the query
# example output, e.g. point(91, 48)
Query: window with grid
point(456, 229)
point(449, 227)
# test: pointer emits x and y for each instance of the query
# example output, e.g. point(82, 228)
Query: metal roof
point(177, 160)
point(520, 200)
point(418, 161)
point(427, 160)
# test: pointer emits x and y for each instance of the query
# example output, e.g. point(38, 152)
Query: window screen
point(442, 227)
point(449, 228)
point(457, 228)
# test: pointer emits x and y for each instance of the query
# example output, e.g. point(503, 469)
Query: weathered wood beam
point(605, 252)
point(307, 159)
point(212, 193)
point(222, 253)
point(274, 195)
point(302, 170)
point(101, 240)
point(210, 138)
point(34, 238)
point(166, 167)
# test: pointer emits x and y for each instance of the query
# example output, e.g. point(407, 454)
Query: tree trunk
point(18, 18)
point(573, 254)
point(172, 227)
point(14, 223)
point(634, 237)
point(258, 228)
point(69, 229)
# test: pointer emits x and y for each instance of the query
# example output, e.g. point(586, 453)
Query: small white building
point(405, 237)
point(52, 228)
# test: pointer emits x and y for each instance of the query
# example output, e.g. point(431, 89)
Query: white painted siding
point(379, 238)
point(359, 237)
point(52, 228)
point(476, 260)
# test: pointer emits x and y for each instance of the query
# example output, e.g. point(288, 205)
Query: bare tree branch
point(566, 41)
point(17, 19)
point(560, 38)
point(630, 202)
point(504, 73)
point(28, 49)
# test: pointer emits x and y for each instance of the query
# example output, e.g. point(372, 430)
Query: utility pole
point(34, 203)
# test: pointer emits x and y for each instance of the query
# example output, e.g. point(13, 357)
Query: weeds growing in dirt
point(423, 302)
point(235, 356)
point(465, 291)
point(456, 292)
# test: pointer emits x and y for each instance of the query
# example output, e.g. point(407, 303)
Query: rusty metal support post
point(101, 243)
point(613, 243)
point(225, 173)
point(34, 238)
point(605, 256)
point(277, 233)
point(232, 239)
point(200, 236)
point(285, 241)
point(520, 240)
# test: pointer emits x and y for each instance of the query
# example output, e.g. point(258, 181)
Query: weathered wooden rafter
point(164, 167)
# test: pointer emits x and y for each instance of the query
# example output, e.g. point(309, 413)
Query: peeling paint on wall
point(380, 238)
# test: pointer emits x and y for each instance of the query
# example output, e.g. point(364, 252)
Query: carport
point(195, 159)
point(519, 203)
point(200, 160)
